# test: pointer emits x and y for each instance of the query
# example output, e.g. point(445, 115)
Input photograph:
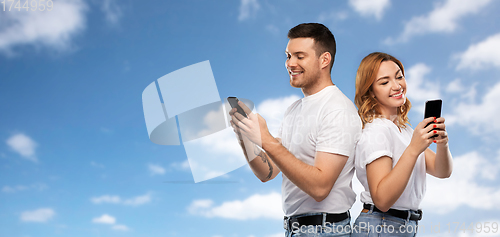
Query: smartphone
point(233, 101)
point(433, 109)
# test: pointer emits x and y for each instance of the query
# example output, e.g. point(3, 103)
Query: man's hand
point(254, 127)
point(249, 131)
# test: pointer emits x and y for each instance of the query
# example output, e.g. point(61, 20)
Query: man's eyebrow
point(295, 53)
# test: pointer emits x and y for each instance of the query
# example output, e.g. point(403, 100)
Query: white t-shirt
point(328, 122)
point(382, 138)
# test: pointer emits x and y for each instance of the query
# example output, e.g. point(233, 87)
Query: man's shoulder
point(293, 106)
point(338, 101)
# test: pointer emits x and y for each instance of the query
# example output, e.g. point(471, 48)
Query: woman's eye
point(384, 83)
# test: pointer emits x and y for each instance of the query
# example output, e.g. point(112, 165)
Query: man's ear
point(325, 59)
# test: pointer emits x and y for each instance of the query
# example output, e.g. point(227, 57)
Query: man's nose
point(290, 63)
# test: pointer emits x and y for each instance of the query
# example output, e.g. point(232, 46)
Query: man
point(314, 148)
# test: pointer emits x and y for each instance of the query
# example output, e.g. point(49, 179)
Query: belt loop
point(323, 223)
point(371, 208)
point(408, 218)
point(286, 223)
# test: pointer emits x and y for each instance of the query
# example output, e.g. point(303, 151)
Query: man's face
point(302, 63)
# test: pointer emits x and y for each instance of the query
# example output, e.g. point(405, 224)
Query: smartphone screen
point(433, 109)
point(233, 101)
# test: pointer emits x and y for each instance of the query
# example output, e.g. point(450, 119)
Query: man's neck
point(319, 85)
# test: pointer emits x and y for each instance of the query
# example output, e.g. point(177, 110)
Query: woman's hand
point(442, 139)
point(421, 138)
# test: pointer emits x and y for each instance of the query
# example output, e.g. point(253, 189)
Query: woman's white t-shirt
point(383, 138)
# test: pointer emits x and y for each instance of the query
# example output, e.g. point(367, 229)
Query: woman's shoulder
point(378, 124)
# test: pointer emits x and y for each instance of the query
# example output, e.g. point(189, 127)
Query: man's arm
point(260, 163)
point(316, 180)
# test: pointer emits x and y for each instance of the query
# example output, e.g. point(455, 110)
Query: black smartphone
point(233, 101)
point(433, 109)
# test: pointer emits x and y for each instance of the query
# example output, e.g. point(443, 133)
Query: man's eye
point(300, 57)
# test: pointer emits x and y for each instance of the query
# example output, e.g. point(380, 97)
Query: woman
point(391, 158)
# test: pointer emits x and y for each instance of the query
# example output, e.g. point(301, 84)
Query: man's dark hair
point(323, 38)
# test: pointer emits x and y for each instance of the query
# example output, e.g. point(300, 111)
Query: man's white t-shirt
point(326, 121)
point(383, 138)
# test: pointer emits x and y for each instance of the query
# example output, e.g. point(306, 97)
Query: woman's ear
point(372, 95)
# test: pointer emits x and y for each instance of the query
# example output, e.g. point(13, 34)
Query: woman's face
point(389, 88)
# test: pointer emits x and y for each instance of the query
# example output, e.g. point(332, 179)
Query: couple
point(322, 140)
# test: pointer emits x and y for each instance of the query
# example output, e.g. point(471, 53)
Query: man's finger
point(244, 107)
point(239, 116)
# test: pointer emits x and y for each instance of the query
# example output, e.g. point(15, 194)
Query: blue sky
point(75, 157)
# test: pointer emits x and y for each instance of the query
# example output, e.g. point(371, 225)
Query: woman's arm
point(386, 183)
point(439, 164)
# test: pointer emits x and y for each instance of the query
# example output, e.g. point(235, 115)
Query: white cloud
point(480, 117)
point(18, 188)
point(370, 8)
point(248, 8)
point(104, 219)
point(112, 11)
point(8, 189)
point(181, 166)
point(465, 92)
point(273, 111)
point(273, 29)
point(115, 199)
point(256, 206)
point(276, 235)
point(39, 215)
point(419, 88)
point(442, 19)
point(120, 228)
point(110, 220)
point(106, 199)
point(484, 228)
point(156, 169)
point(54, 29)
point(23, 145)
point(455, 86)
point(464, 187)
point(481, 55)
point(139, 200)
point(98, 165)
point(333, 16)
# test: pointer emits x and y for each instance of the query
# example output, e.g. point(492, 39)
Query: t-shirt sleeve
point(280, 130)
point(338, 132)
point(374, 143)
